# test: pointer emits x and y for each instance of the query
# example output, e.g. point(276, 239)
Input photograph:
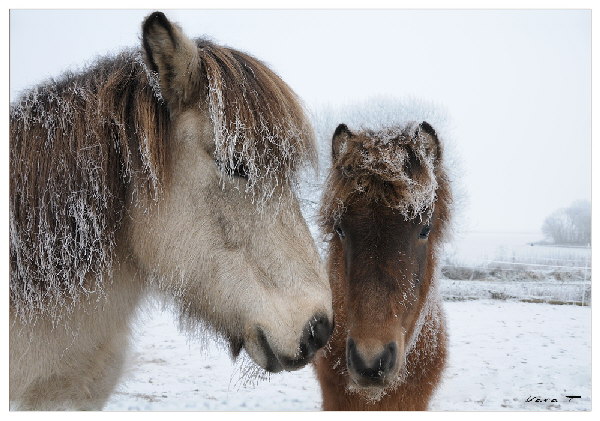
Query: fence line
point(474, 268)
point(539, 264)
point(558, 259)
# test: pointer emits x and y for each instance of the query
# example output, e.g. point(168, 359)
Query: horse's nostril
point(314, 336)
point(319, 332)
point(354, 359)
point(388, 357)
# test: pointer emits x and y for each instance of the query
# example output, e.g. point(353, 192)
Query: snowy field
point(502, 353)
point(507, 266)
point(477, 247)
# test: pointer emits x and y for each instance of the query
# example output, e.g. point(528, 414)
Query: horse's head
point(386, 204)
point(227, 235)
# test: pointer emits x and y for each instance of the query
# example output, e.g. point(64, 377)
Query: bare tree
point(570, 225)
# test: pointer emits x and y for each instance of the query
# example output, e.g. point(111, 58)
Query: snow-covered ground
point(502, 353)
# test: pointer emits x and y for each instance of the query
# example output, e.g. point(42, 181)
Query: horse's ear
point(432, 141)
point(173, 56)
point(338, 142)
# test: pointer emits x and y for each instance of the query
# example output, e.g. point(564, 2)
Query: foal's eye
point(340, 231)
point(425, 232)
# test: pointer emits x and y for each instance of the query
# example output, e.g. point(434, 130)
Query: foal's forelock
point(393, 167)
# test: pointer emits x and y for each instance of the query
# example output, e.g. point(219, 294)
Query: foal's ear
point(338, 142)
point(432, 142)
point(173, 56)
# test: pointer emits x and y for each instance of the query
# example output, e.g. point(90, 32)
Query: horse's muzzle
point(315, 335)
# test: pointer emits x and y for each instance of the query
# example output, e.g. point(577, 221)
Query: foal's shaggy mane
point(82, 146)
point(395, 166)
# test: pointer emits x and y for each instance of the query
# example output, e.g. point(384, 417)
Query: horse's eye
point(340, 231)
point(237, 170)
point(240, 170)
point(425, 232)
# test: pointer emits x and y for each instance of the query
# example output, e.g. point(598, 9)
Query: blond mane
point(258, 120)
point(77, 144)
point(85, 144)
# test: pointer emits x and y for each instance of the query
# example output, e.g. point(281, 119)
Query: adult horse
point(173, 168)
point(387, 205)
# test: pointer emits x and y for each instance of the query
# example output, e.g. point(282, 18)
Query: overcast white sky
point(516, 84)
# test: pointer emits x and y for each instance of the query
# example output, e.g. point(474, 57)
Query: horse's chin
point(235, 346)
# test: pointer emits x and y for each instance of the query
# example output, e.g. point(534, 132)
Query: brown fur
point(280, 131)
point(382, 189)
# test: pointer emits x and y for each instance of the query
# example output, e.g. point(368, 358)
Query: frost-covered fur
point(170, 169)
point(384, 189)
point(77, 362)
point(79, 146)
point(381, 166)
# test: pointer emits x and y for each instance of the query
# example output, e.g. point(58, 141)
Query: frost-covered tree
point(570, 225)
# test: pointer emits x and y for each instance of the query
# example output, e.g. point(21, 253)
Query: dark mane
point(392, 166)
point(77, 144)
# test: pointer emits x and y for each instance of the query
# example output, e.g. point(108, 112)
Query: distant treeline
point(570, 225)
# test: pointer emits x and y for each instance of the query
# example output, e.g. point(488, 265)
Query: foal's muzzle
point(374, 371)
point(315, 335)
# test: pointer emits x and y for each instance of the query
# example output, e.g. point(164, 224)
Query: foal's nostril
point(388, 357)
point(376, 369)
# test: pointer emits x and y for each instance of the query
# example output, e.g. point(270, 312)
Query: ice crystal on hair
point(152, 76)
point(74, 153)
point(394, 166)
point(257, 121)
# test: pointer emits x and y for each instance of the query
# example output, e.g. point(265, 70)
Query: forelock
point(392, 166)
point(258, 120)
